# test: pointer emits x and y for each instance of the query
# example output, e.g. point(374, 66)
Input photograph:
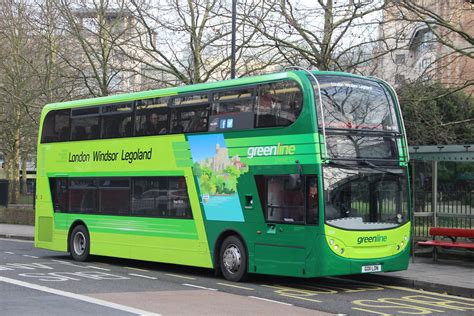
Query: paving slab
point(24, 232)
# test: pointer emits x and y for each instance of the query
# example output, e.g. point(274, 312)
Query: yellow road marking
point(294, 293)
point(136, 269)
point(180, 276)
point(236, 286)
point(430, 293)
point(369, 311)
point(393, 287)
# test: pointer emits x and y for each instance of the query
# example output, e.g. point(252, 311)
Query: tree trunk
point(24, 187)
point(14, 175)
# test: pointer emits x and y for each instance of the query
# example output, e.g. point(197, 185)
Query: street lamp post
point(232, 44)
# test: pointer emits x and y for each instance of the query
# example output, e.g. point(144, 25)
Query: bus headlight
point(331, 242)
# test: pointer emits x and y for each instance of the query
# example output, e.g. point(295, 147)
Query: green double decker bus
point(300, 173)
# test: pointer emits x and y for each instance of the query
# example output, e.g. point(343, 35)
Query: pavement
point(454, 277)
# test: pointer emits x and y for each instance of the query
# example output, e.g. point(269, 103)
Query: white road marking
point(199, 287)
point(180, 276)
point(143, 276)
point(236, 286)
point(98, 268)
point(77, 297)
point(268, 300)
point(28, 256)
point(136, 269)
point(61, 261)
point(9, 252)
point(67, 263)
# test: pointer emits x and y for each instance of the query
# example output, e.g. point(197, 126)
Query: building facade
point(419, 48)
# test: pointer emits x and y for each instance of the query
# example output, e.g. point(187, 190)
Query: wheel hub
point(232, 259)
point(79, 243)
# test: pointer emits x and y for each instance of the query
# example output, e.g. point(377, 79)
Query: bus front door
point(282, 240)
point(281, 249)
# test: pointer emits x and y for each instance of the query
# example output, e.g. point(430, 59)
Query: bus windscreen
point(353, 103)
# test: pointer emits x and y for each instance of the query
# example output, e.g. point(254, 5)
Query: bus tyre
point(233, 259)
point(79, 243)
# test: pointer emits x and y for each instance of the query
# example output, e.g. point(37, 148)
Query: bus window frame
point(54, 112)
point(136, 112)
point(116, 113)
point(305, 180)
point(232, 115)
point(52, 182)
point(83, 116)
point(258, 88)
point(172, 106)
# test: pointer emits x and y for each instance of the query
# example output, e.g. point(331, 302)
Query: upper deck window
point(353, 103)
point(152, 117)
point(233, 109)
point(190, 113)
point(233, 101)
point(117, 120)
point(56, 127)
point(279, 104)
point(274, 104)
point(85, 123)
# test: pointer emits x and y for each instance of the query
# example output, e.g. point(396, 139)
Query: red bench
point(451, 233)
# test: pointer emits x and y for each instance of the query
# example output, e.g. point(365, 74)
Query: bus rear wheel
point(233, 259)
point(79, 243)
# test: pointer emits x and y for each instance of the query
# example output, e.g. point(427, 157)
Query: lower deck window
point(140, 196)
point(289, 198)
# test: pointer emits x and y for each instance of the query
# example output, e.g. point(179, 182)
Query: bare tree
point(94, 32)
point(20, 55)
point(179, 40)
point(326, 34)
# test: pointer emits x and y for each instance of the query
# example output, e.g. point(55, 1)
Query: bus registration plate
point(372, 268)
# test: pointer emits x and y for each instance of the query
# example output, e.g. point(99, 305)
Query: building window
point(399, 79)
point(400, 59)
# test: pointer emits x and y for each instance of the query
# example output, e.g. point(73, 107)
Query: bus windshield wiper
point(365, 163)
point(343, 165)
point(357, 131)
point(378, 168)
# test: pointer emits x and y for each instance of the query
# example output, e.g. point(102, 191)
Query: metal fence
point(454, 204)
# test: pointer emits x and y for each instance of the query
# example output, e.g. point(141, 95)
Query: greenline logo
point(370, 239)
point(265, 151)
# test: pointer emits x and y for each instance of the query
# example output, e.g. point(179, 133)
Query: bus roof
point(183, 89)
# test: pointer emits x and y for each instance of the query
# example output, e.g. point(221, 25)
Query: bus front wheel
point(79, 243)
point(233, 259)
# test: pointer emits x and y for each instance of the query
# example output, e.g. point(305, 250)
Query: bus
point(299, 173)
